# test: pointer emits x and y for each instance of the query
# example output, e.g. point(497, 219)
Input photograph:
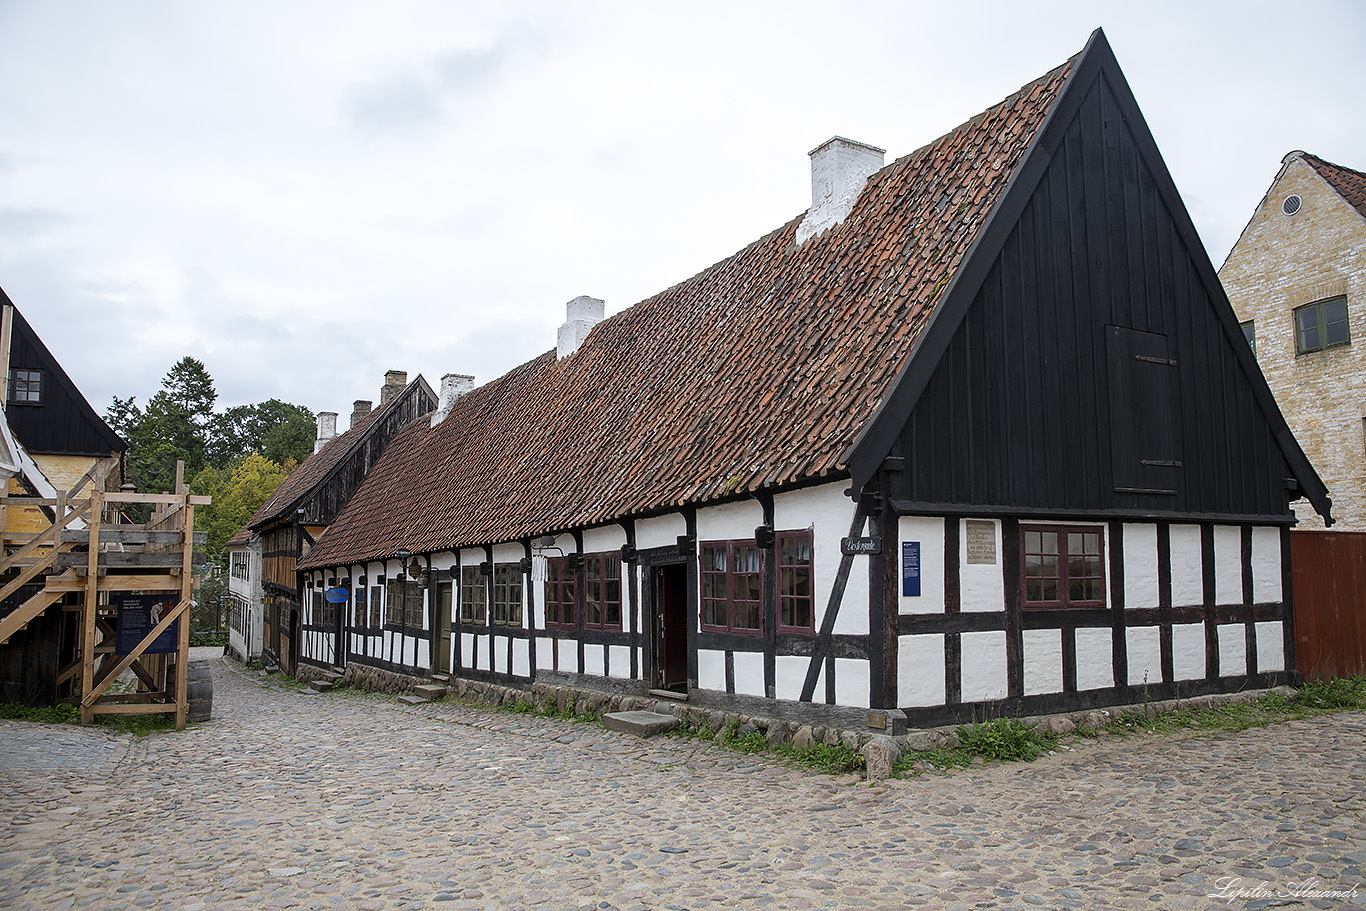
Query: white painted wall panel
point(592, 659)
point(984, 666)
point(660, 531)
point(920, 670)
point(499, 655)
point(545, 658)
point(1042, 661)
point(1232, 649)
point(620, 662)
point(851, 682)
point(444, 560)
point(1188, 580)
point(749, 673)
point(604, 539)
point(1270, 645)
point(789, 673)
point(521, 657)
point(1188, 651)
point(424, 653)
point(1228, 566)
point(711, 669)
point(1144, 644)
point(929, 531)
point(1266, 567)
point(1140, 565)
point(1095, 659)
point(980, 584)
point(729, 521)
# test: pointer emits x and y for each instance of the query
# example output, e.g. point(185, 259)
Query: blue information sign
point(337, 595)
point(137, 615)
point(910, 569)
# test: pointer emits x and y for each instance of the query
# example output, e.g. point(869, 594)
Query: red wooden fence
point(1330, 602)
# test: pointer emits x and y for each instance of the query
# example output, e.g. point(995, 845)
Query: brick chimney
point(394, 383)
point(453, 386)
point(581, 315)
point(839, 169)
point(359, 409)
point(327, 429)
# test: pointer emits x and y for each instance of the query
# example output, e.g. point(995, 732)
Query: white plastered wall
point(1228, 566)
point(1140, 566)
point(929, 532)
point(1266, 567)
point(660, 531)
point(980, 584)
point(1095, 658)
point(1188, 574)
point(1042, 661)
point(920, 670)
point(984, 666)
point(1188, 651)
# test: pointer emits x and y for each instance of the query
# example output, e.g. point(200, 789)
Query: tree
point(276, 429)
point(237, 494)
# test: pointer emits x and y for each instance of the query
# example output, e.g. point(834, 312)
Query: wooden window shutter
point(1144, 443)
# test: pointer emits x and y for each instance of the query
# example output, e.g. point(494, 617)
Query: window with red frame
point(602, 601)
point(559, 594)
point(796, 603)
point(1063, 565)
point(732, 587)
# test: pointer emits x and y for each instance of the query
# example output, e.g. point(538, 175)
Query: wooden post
point(91, 608)
point(186, 584)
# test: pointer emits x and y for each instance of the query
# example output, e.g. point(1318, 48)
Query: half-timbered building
point(977, 429)
point(295, 517)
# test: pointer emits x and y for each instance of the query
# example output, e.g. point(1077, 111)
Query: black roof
point(63, 423)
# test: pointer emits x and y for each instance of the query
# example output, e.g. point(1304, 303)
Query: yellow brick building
point(1297, 280)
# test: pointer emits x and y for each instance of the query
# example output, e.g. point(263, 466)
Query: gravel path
point(347, 800)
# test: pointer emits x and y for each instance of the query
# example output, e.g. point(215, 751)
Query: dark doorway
point(293, 642)
point(669, 652)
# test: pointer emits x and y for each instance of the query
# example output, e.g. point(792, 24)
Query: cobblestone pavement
point(347, 800)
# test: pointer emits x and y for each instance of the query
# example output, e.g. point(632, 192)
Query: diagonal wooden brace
point(180, 609)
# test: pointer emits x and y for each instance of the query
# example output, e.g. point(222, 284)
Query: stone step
point(642, 724)
point(413, 700)
point(321, 686)
point(669, 695)
point(332, 674)
point(441, 678)
point(430, 690)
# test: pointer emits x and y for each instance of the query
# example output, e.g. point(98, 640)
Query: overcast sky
point(304, 195)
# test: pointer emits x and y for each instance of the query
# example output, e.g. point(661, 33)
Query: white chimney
point(581, 315)
point(327, 429)
point(453, 386)
point(839, 169)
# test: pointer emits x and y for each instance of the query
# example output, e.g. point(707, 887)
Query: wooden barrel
point(199, 692)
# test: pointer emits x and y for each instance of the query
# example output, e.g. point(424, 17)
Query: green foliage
point(138, 725)
point(839, 759)
point(61, 713)
point(277, 430)
point(748, 742)
point(200, 638)
point(1333, 694)
point(237, 494)
point(1005, 740)
point(915, 764)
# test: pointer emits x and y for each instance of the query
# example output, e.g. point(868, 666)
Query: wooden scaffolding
point(89, 568)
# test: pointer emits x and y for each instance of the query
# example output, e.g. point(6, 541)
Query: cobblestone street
point(346, 800)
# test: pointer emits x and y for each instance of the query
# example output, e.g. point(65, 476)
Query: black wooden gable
point(61, 422)
point(1085, 357)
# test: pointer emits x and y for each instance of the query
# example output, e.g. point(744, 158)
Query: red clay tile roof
point(315, 468)
point(756, 373)
point(1351, 185)
point(242, 537)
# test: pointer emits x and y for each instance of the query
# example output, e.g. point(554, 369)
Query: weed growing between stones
point(138, 725)
point(1005, 740)
point(56, 714)
point(744, 741)
point(1318, 697)
point(839, 759)
point(548, 710)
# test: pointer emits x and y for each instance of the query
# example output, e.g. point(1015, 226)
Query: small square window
point(1322, 324)
point(26, 387)
point(1063, 566)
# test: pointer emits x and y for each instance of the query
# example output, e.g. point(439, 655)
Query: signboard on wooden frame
point(137, 615)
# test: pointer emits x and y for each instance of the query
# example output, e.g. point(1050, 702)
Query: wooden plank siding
point(1329, 602)
point(1024, 394)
